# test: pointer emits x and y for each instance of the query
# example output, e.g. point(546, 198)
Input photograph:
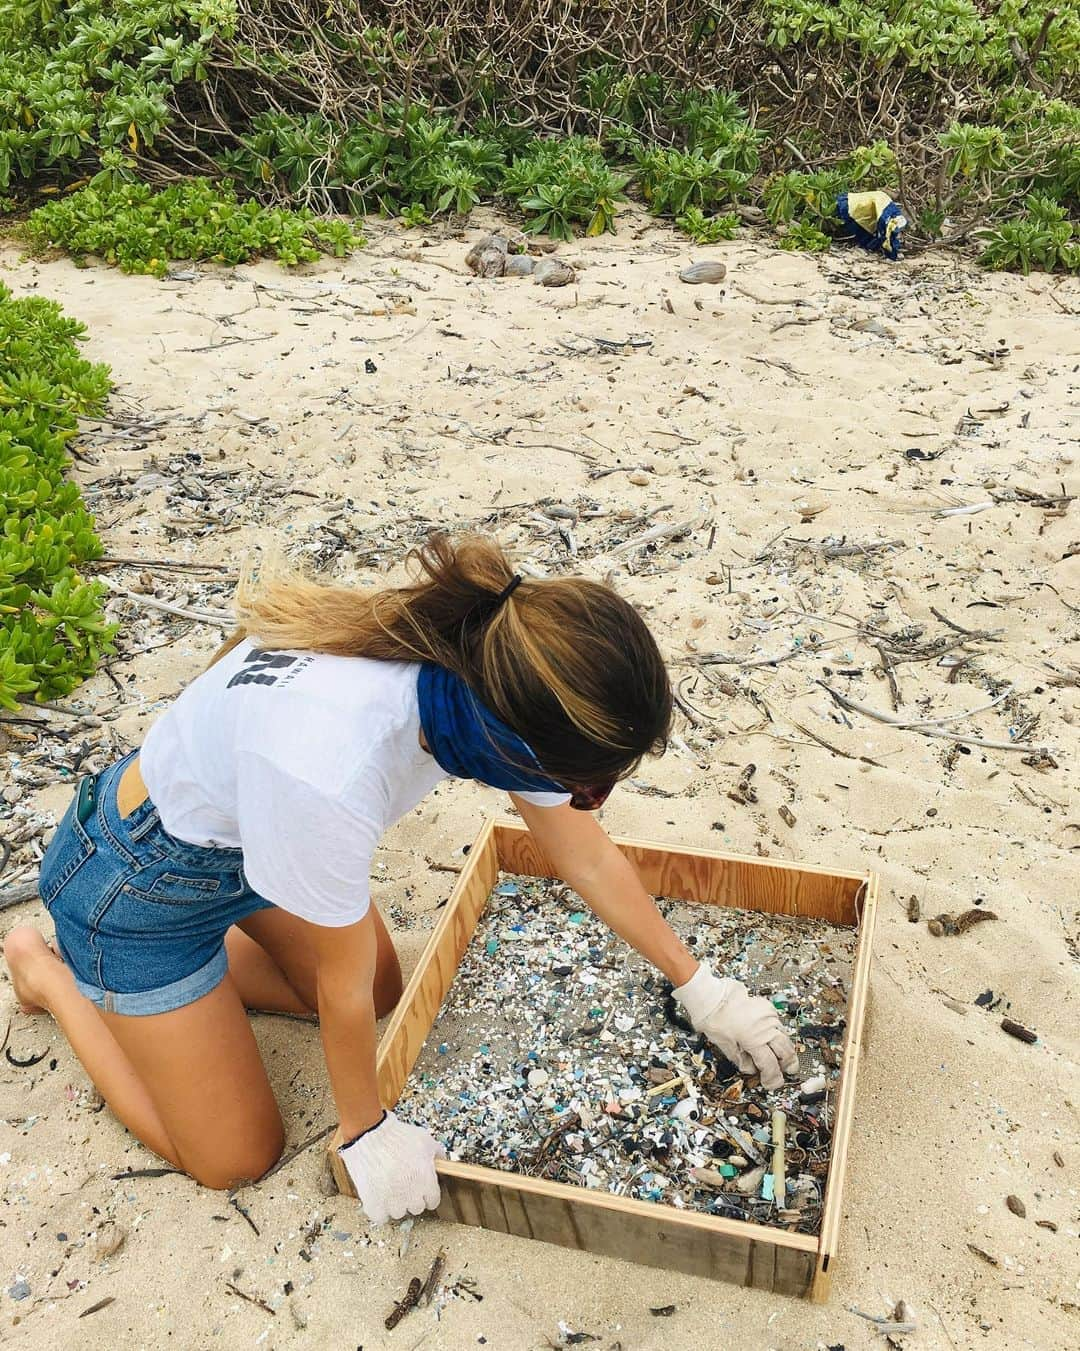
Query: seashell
point(553, 272)
point(487, 257)
point(537, 1078)
point(698, 273)
point(708, 1177)
point(750, 1182)
point(110, 1239)
point(520, 265)
point(639, 478)
point(686, 1110)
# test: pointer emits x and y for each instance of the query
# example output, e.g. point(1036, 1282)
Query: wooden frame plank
point(599, 1222)
point(423, 996)
point(845, 1098)
point(708, 875)
point(617, 1226)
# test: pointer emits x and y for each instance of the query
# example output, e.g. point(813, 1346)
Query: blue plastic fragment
point(767, 1184)
point(443, 1048)
point(491, 946)
point(506, 889)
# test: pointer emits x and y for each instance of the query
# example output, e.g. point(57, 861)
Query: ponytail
point(566, 663)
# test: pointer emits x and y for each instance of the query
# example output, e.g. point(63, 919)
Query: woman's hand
point(745, 1027)
point(392, 1167)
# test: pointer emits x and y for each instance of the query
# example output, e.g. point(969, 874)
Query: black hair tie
point(508, 590)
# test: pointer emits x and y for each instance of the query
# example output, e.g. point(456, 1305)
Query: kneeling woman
point(226, 864)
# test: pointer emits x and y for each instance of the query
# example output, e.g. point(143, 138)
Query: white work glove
point(392, 1166)
point(745, 1027)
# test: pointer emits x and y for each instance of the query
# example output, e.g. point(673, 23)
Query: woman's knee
point(245, 1165)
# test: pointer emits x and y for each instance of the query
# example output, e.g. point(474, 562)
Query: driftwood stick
point(15, 895)
point(989, 634)
point(932, 728)
point(853, 706)
point(221, 620)
point(658, 532)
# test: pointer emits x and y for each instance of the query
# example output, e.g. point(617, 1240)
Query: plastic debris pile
point(560, 1053)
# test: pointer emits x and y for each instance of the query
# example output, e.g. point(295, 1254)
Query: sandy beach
point(778, 470)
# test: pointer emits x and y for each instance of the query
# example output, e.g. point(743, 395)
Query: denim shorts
point(140, 916)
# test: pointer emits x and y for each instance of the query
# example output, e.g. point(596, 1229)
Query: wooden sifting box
point(597, 1222)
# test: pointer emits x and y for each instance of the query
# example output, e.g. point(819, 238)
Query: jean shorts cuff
point(166, 997)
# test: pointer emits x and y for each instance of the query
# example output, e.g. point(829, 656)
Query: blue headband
point(470, 742)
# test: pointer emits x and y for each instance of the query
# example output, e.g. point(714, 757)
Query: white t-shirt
point(300, 759)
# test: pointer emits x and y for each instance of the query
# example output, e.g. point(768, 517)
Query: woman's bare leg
point(280, 939)
point(189, 1084)
point(259, 980)
point(44, 984)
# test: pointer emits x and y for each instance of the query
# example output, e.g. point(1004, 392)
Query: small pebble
point(1016, 1206)
point(20, 1290)
point(538, 1078)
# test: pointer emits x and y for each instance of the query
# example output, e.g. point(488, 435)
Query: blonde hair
point(566, 663)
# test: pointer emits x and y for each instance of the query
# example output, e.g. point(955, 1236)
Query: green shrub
point(52, 632)
point(809, 197)
point(96, 78)
point(563, 183)
point(140, 230)
point(473, 102)
point(802, 235)
point(704, 229)
point(674, 181)
point(1044, 239)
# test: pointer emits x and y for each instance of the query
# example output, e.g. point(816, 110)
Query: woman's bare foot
point(27, 955)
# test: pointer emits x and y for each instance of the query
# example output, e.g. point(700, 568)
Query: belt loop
point(110, 1002)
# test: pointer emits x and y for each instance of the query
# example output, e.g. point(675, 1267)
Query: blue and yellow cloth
point(873, 220)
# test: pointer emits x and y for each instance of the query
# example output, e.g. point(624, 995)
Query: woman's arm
point(584, 856)
point(391, 1162)
point(745, 1027)
point(345, 980)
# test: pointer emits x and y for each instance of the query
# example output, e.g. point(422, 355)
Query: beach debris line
point(561, 1054)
